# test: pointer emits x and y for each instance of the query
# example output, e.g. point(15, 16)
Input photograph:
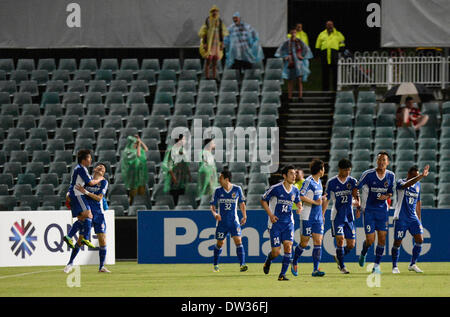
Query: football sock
point(217, 252)
point(74, 253)
point(416, 252)
point(395, 255)
point(379, 253)
point(102, 255)
point(297, 254)
point(365, 248)
point(77, 225)
point(87, 228)
point(317, 254)
point(340, 256)
point(241, 254)
point(285, 263)
point(270, 257)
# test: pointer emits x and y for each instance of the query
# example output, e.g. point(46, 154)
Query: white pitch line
point(28, 273)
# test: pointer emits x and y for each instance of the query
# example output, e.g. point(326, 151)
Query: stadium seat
point(7, 65)
point(366, 96)
point(272, 86)
point(256, 188)
point(344, 144)
point(274, 63)
point(148, 75)
point(68, 64)
point(7, 179)
point(364, 120)
point(185, 98)
point(42, 156)
point(361, 144)
point(157, 121)
point(41, 77)
point(49, 178)
point(22, 98)
point(344, 108)
point(89, 64)
point(8, 86)
point(365, 108)
point(343, 121)
point(428, 200)
point(21, 190)
point(187, 86)
point(209, 85)
point(361, 155)
point(163, 98)
point(111, 64)
point(31, 87)
point(164, 200)
point(130, 64)
point(140, 86)
point(7, 203)
point(206, 97)
point(193, 64)
point(345, 96)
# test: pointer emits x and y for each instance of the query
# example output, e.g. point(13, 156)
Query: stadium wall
point(188, 237)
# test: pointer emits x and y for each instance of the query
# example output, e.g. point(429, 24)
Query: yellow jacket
point(335, 40)
point(301, 36)
point(207, 33)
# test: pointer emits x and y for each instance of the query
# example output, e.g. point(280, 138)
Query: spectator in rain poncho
point(175, 167)
point(242, 45)
point(134, 166)
point(212, 34)
point(207, 172)
point(295, 54)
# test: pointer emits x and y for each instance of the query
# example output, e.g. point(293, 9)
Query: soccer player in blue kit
point(341, 189)
point(377, 186)
point(407, 217)
point(311, 218)
point(277, 202)
point(96, 198)
point(226, 199)
point(78, 202)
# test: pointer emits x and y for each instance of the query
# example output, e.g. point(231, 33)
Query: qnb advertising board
point(35, 238)
point(130, 23)
point(188, 237)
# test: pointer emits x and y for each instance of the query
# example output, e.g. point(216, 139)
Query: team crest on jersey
point(349, 185)
point(293, 197)
point(386, 184)
point(233, 195)
point(303, 192)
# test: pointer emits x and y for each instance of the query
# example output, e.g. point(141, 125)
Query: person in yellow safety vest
point(299, 179)
point(329, 42)
point(301, 35)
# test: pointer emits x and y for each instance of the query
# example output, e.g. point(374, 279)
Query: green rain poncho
point(134, 168)
point(175, 160)
point(207, 175)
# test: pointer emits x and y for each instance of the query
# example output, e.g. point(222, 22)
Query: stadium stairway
point(305, 128)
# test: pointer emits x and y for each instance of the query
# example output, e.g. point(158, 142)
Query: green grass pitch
point(199, 280)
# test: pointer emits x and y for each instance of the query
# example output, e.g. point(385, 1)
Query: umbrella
point(398, 94)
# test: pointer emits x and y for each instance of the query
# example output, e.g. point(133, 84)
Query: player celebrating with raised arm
point(376, 187)
point(96, 200)
point(407, 216)
point(227, 197)
point(311, 218)
point(340, 189)
point(277, 202)
point(79, 204)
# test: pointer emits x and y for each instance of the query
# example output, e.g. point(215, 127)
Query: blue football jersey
point(407, 198)
point(226, 203)
point(280, 201)
point(314, 191)
point(80, 176)
point(373, 187)
point(100, 188)
point(341, 195)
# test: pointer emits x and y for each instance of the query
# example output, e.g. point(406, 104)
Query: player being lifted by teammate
point(407, 217)
point(376, 187)
point(277, 202)
point(226, 199)
point(78, 201)
point(341, 189)
point(311, 218)
point(96, 199)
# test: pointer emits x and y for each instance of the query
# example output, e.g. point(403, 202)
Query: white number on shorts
point(340, 230)
point(368, 227)
point(400, 234)
point(220, 235)
point(308, 231)
point(276, 240)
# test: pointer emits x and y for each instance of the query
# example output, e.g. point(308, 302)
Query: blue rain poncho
point(300, 67)
point(242, 44)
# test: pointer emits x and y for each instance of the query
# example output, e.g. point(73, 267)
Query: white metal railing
point(387, 71)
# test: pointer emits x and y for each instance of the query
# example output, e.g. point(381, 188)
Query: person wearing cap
point(410, 115)
point(212, 34)
point(242, 45)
